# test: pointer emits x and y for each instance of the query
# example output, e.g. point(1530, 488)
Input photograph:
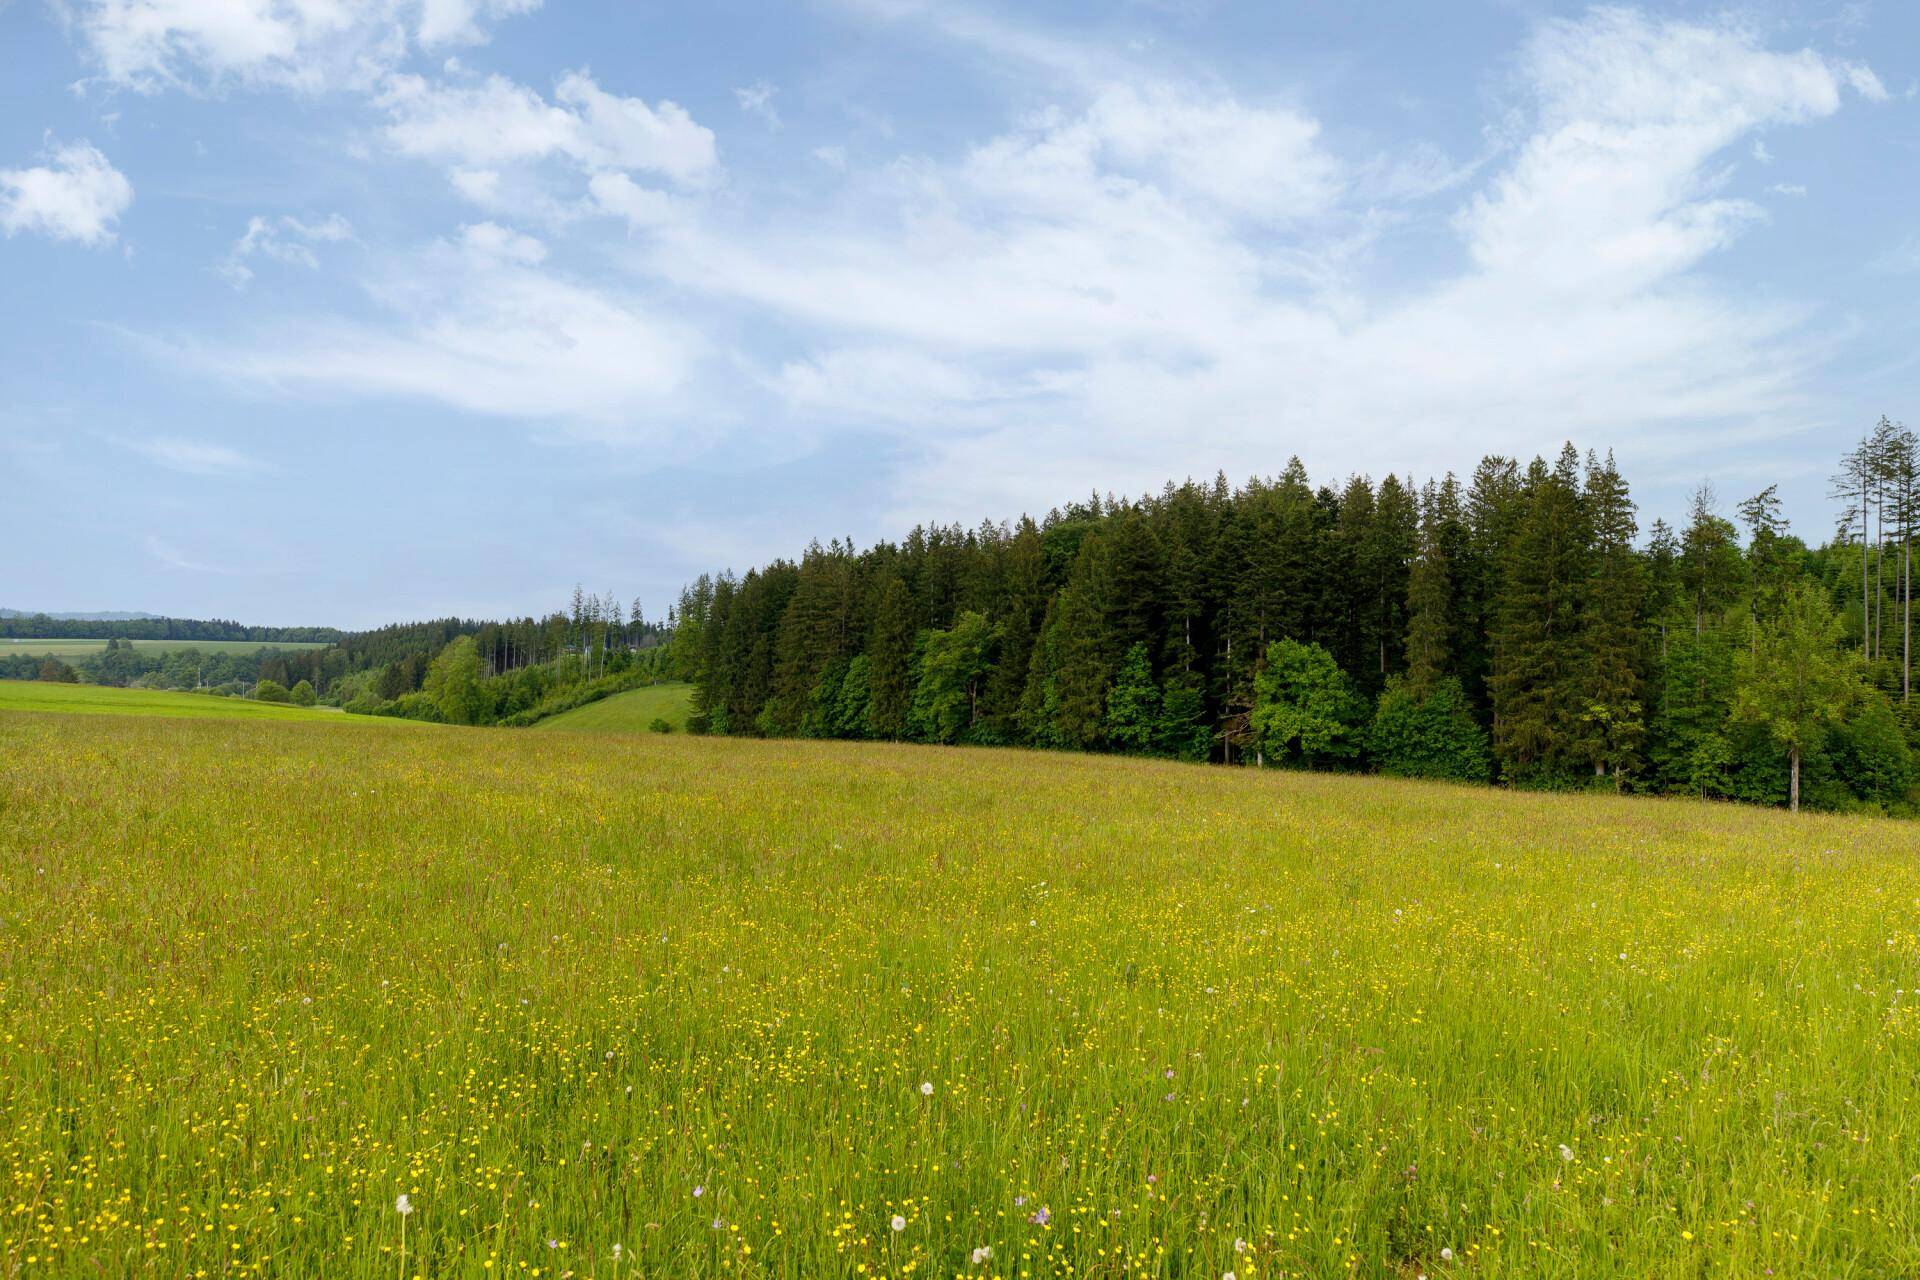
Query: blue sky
point(351, 310)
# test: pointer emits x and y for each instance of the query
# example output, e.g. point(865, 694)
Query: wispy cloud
point(757, 100)
point(194, 457)
point(173, 558)
point(285, 239)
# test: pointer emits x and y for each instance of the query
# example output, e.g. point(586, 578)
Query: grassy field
point(669, 1006)
point(88, 699)
point(630, 712)
point(73, 650)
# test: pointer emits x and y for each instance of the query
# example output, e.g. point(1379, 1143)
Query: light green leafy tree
point(453, 682)
point(1304, 706)
point(953, 666)
point(1133, 704)
point(1796, 681)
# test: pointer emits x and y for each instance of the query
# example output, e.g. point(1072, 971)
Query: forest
point(1516, 627)
point(40, 626)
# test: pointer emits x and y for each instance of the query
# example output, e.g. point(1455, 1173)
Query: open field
point(88, 699)
point(804, 1009)
point(73, 650)
point(629, 712)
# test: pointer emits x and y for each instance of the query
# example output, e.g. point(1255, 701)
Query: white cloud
point(491, 243)
point(459, 21)
point(308, 45)
point(77, 195)
point(1611, 193)
point(1158, 281)
point(479, 127)
point(1788, 189)
point(1154, 277)
point(480, 324)
point(642, 207)
point(194, 457)
point(1865, 82)
point(285, 239)
point(757, 100)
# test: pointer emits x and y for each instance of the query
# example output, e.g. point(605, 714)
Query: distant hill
point(110, 616)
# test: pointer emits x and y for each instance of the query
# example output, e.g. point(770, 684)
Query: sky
point(348, 311)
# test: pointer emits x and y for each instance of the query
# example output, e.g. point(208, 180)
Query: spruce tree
point(889, 662)
point(1430, 602)
point(1609, 725)
point(1537, 623)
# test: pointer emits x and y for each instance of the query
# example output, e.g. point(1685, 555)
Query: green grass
point(735, 1006)
point(88, 699)
point(630, 712)
point(73, 650)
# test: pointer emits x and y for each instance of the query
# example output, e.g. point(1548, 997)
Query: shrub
point(659, 724)
point(301, 695)
point(1431, 737)
point(270, 691)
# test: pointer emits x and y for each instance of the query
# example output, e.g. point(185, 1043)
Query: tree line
point(39, 626)
point(1518, 625)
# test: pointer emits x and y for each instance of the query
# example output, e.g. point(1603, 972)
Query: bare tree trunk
point(1793, 789)
point(1879, 566)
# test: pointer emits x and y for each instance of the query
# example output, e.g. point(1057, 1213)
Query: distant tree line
point(1512, 626)
point(38, 626)
point(459, 670)
point(119, 663)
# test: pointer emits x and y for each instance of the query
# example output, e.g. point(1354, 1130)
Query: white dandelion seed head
point(402, 1205)
point(1239, 1245)
point(982, 1254)
point(926, 1088)
point(899, 1223)
point(1446, 1255)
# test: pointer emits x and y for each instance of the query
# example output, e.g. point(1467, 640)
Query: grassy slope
point(72, 650)
point(629, 712)
point(254, 985)
point(88, 699)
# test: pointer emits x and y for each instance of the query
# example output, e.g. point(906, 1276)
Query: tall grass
point(743, 1008)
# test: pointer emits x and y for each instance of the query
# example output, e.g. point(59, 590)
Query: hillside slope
point(631, 712)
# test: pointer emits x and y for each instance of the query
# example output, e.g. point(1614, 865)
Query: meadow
point(91, 699)
point(284, 997)
point(73, 650)
point(631, 712)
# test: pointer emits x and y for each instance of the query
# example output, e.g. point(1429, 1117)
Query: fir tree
point(1537, 623)
point(1609, 725)
point(889, 659)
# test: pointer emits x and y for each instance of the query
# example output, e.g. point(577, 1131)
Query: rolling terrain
point(89, 699)
point(799, 1008)
point(631, 712)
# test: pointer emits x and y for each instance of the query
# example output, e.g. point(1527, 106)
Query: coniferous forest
point(1520, 625)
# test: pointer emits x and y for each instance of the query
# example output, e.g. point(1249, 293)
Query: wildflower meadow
point(309, 998)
